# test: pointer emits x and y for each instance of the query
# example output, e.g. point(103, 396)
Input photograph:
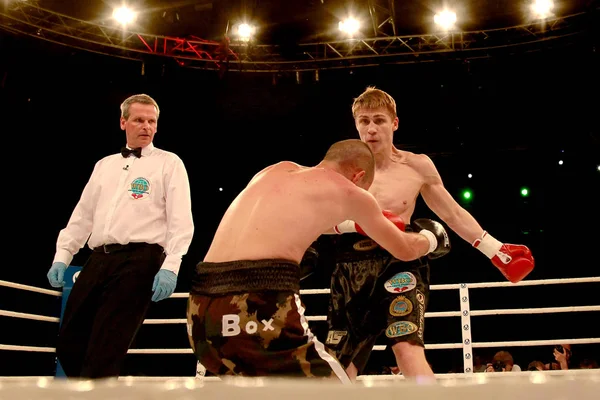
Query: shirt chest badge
point(139, 188)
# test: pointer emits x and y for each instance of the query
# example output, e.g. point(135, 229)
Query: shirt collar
point(146, 151)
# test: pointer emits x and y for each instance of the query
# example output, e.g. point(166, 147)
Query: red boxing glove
point(513, 260)
point(396, 219)
point(351, 226)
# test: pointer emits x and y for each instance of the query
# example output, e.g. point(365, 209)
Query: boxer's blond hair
point(138, 98)
point(353, 155)
point(373, 98)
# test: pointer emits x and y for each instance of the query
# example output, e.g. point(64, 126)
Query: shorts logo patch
point(400, 283)
point(365, 245)
point(230, 325)
point(335, 337)
point(139, 188)
point(401, 306)
point(400, 328)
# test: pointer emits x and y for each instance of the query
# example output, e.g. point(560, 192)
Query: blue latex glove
point(164, 284)
point(56, 274)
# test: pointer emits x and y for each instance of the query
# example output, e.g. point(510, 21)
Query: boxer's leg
point(353, 283)
point(337, 319)
point(199, 328)
point(405, 292)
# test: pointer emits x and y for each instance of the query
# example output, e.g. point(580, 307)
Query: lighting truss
point(382, 17)
point(27, 18)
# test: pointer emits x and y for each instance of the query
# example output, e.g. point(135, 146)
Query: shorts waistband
point(116, 247)
point(245, 276)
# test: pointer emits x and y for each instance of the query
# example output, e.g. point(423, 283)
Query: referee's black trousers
point(106, 307)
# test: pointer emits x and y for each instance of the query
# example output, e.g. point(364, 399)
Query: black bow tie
point(125, 152)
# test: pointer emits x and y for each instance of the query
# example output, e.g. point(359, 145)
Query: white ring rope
point(35, 317)
point(477, 313)
point(30, 288)
point(478, 285)
point(326, 291)
point(440, 346)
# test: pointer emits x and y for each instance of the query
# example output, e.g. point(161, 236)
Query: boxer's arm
point(365, 211)
point(514, 261)
point(441, 202)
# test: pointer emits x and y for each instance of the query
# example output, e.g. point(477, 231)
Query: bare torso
point(403, 176)
point(280, 213)
point(397, 185)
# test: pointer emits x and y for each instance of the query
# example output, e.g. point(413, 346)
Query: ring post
point(465, 320)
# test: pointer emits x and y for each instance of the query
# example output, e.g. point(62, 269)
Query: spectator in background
point(502, 362)
point(536, 366)
point(562, 354)
point(587, 363)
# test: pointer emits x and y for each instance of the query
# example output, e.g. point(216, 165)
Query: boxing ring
point(556, 384)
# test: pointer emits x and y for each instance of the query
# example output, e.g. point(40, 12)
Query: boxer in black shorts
point(374, 294)
point(401, 177)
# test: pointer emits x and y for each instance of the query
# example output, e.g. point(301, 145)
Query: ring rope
point(326, 291)
point(476, 313)
point(445, 346)
point(441, 346)
point(5, 313)
point(478, 285)
point(30, 288)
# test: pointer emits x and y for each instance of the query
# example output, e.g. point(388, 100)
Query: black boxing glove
point(439, 242)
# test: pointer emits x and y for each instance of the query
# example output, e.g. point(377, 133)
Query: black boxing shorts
point(374, 294)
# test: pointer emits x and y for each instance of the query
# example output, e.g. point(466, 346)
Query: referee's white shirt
point(133, 199)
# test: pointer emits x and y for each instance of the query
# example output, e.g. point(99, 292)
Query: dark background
point(508, 120)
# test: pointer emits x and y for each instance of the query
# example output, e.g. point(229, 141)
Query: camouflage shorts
point(262, 333)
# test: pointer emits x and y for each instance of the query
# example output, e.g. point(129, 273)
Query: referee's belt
point(116, 247)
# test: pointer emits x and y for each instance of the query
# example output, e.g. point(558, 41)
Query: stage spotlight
point(542, 9)
point(245, 31)
point(124, 15)
point(445, 19)
point(349, 26)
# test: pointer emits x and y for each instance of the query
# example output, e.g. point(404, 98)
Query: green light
point(524, 192)
point(467, 194)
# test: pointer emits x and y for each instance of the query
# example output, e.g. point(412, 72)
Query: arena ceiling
point(283, 21)
point(296, 34)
